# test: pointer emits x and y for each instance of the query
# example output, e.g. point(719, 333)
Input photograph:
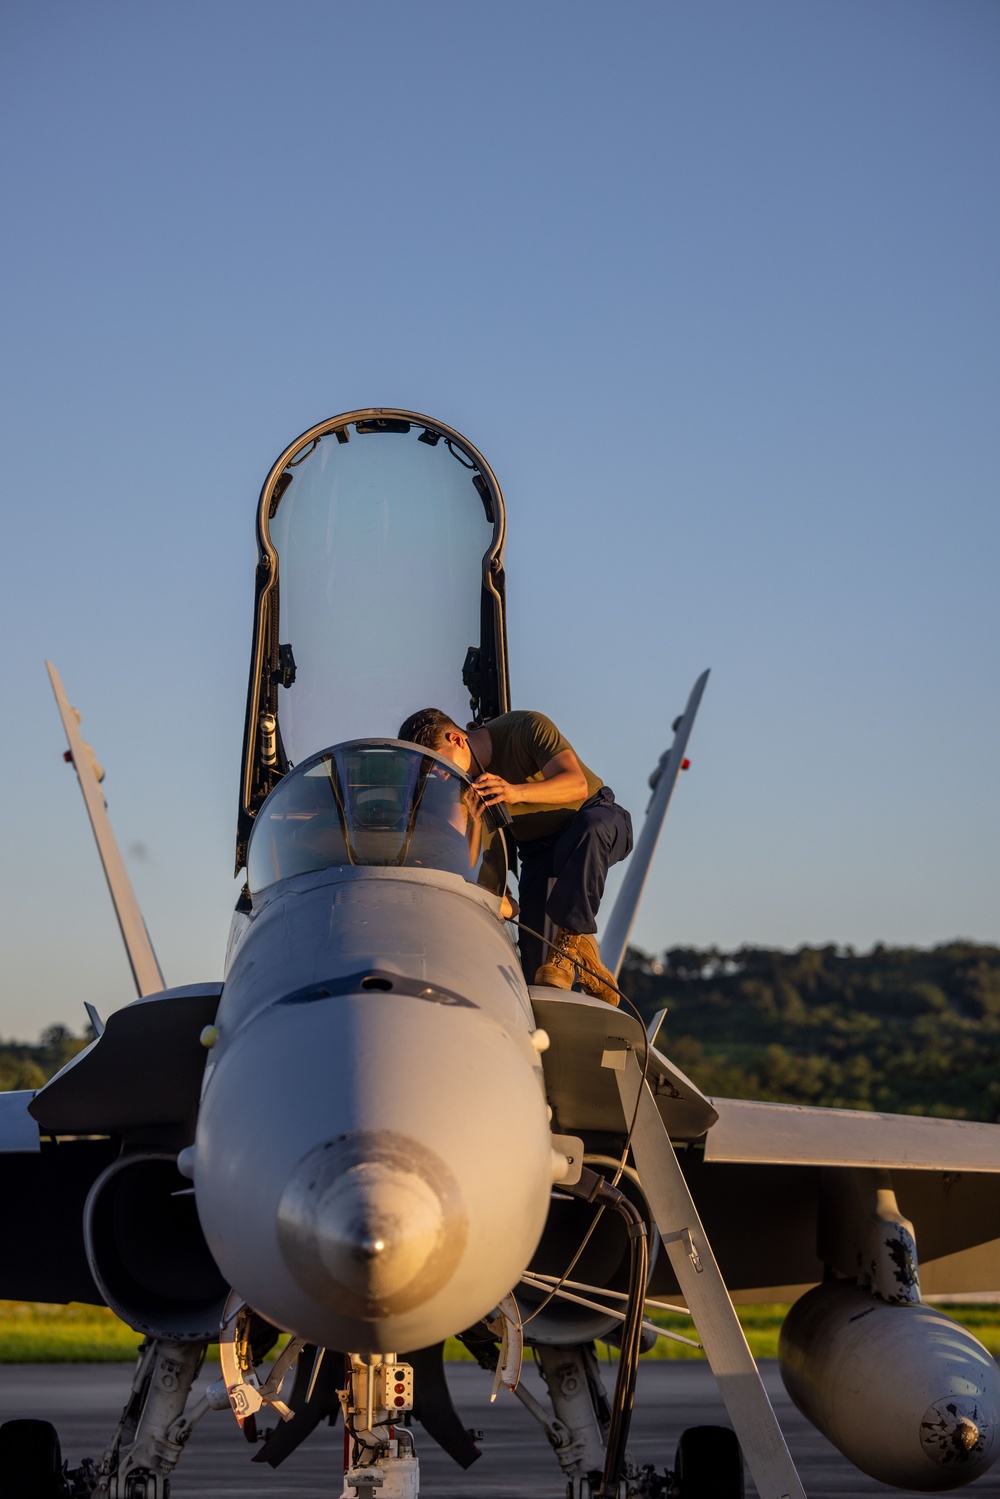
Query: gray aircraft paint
point(441, 1067)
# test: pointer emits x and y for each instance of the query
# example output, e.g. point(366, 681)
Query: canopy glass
point(375, 803)
point(379, 591)
point(380, 545)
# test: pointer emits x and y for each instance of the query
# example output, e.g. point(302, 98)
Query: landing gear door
point(380, 590)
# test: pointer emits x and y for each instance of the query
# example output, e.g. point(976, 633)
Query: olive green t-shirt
point(523, 743)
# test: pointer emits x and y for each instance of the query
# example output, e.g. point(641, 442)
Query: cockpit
point(376, 802)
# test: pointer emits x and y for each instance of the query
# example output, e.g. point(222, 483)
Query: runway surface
point(84, 1401)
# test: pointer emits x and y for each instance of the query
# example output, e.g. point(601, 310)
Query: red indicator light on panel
point(400, 1400)
point(685, 765)
point(400, 1389)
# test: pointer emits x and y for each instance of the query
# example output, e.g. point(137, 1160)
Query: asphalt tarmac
point(84, 1401)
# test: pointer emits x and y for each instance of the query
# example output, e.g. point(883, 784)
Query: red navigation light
point(685, 765)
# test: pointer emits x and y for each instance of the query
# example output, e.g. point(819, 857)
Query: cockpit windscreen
point(381, 804)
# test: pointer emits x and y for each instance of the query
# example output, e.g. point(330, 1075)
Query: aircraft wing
point(18, 1131)
point(759, 1171)
point(795, 1135)
point(584, 1032)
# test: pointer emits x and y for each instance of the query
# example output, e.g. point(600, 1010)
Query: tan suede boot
point(558, 972)
point(599, 981)
point(576, 959)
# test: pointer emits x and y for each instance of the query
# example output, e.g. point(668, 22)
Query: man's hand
point(494, 789)
point(509, 907)
point(563, 782)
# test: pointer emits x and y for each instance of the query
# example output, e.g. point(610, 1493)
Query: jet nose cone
point(372, 1228)
point(371, 1225)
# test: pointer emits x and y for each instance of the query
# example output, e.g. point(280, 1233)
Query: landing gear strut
point(143, 1452)
point(380, 1458)
point(153, 1429)
point(578, 1428)
point(582, 1415)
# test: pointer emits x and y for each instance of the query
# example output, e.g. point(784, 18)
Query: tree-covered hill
point(904, 1030)
point(28, 1065)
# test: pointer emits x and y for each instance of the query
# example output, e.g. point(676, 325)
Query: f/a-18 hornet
point(374, 1135)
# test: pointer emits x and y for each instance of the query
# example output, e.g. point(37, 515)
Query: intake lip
point(372, 1224)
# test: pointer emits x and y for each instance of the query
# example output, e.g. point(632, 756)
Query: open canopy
point(380, 590)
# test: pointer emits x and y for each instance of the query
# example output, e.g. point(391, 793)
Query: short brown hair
point(428, 727)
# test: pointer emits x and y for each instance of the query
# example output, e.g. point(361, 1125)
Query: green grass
point(760, 1323)
point(33, 1332)
point(982, 1320)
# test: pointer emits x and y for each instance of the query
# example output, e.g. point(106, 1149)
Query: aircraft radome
point(455, 1153)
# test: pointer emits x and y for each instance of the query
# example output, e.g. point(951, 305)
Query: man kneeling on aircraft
point(566, 825)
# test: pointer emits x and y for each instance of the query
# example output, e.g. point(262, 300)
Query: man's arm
point(562, 782)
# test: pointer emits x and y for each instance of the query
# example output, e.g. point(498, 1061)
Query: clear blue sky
point(714, 288)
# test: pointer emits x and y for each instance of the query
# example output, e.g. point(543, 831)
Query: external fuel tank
point(909, 1396)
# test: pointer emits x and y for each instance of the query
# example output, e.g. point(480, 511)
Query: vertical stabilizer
point(145, 968)
point(663, 780)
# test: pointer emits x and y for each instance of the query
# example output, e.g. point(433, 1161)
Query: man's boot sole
point(553, 978)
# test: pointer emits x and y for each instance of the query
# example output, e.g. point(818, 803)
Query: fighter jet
point(373, 1135)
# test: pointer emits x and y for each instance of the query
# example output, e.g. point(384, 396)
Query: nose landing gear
point(380, 1457)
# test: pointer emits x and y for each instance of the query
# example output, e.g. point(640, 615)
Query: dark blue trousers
point(561, 880)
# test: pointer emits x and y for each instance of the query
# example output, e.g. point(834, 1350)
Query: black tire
point(709, 1464)
point(30, 1461)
